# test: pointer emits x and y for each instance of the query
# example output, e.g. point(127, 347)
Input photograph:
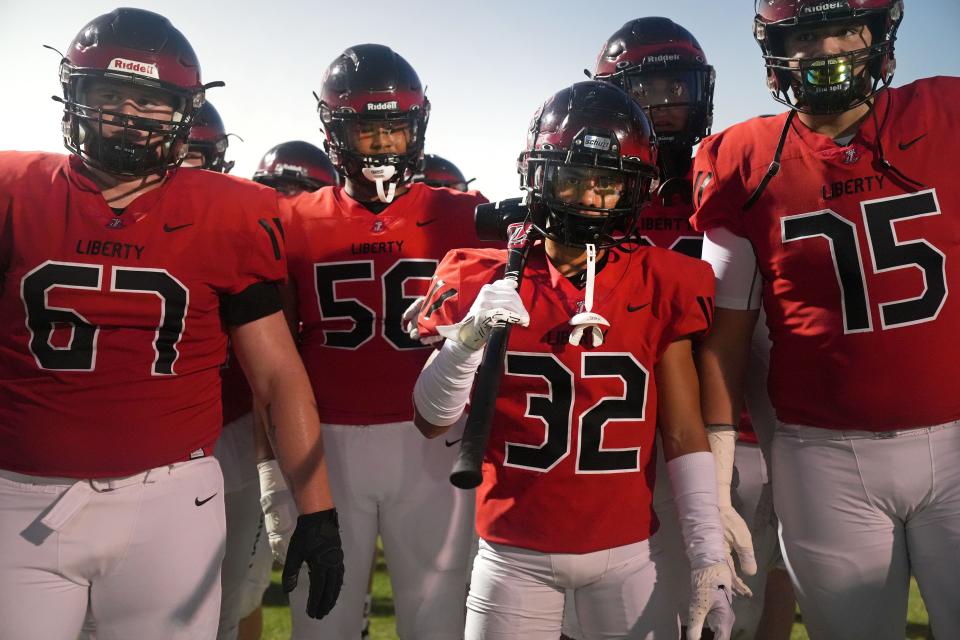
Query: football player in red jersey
point(841, 210)
point(296, 166)
point(119, 273)
point(664, 68)
point(602, 355)
point(358, 255)
point(436, 171)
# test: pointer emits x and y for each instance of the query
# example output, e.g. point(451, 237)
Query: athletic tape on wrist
point(443, 388)
point(695, 494)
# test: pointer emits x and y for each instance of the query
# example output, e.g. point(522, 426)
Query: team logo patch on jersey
point(115, 223)
point(379, 226)
point(851, 156)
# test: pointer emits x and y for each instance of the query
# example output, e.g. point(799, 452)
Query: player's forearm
point(722, 363)
point(678, 400)
point(290, 415)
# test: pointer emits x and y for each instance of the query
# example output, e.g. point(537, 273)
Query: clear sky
point(487, 65)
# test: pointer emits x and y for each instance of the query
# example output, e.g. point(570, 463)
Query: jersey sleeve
point(693, 301)
point(717, 189)
point(454, 287)
point(264, 257)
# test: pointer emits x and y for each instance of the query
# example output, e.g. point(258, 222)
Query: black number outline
point(388, 320)
point(32, 321)
point(163, 345)
point(333, 296)
point(878, 234)
point(528, 450)
point(559, 452)
point(848, 298)
point(602, 405)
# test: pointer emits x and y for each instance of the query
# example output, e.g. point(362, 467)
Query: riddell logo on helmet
point(132, 66)
point(664, 57)
point(826, 6)
point(382, 106)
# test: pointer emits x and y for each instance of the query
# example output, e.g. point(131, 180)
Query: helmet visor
point(591, 187)
point(668, 95)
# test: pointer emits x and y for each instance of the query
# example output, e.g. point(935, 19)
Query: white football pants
point(389, 479)
point(145, 550)
point(860, 511)
point(518, 594)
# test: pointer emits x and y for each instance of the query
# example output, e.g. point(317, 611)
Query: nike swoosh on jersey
point(200, 503)
point(423, 223)
point(631, 308)
point(450, 444)
point(906, 145)
point(170, 229)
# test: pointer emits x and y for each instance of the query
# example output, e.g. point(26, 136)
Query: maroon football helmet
point(295, 166)
point(436, 171)
point(591, 137)
point(370, 84)
point(829, 83)
point(124, 52)
point(663, 67)
point(208, 136)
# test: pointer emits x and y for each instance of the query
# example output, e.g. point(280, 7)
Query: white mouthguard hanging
point(379, 175)
point(588, 320)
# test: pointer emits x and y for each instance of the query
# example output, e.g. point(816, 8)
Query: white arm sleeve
point(734, 263)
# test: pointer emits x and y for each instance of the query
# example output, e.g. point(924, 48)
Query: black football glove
point(316, 541)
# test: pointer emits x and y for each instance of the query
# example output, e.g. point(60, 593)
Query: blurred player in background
point(296, 166)
point(122, 276)
point(440, 172)
point(360, 254)
point(840, 212)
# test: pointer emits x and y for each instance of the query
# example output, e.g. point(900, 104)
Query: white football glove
point(711, 602)
point(279, 510)
point(497, 305)
point(723, 442)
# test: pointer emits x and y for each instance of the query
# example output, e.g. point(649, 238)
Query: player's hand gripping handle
point(466, 470)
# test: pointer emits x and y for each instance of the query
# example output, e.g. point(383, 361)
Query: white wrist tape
point(723, 444)
point(443, 388)
point(695, 494)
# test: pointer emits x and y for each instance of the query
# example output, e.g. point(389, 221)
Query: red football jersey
point(112, 337)
point(860, 266)
point(355, 273)
point(668, 226)
point(570, 465)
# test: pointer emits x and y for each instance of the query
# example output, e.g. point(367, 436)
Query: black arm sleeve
point(256, 301)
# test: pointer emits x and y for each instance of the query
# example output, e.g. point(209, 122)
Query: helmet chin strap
point(380, 174)
point(588, 320)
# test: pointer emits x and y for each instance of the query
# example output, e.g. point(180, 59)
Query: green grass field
point(276, 619)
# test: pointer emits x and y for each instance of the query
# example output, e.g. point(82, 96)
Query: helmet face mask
point(589, 164)
point(831, 82)
point(674, 99)
point(131, 88)
point(374, 114)
point(663, 67)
